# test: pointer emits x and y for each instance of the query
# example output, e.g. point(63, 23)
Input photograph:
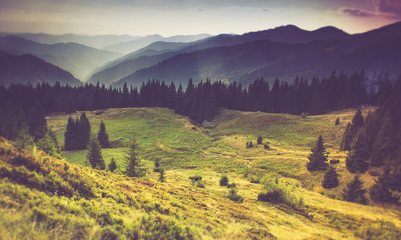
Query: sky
point(185, 17)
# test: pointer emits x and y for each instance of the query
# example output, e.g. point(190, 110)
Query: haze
point(172, 17)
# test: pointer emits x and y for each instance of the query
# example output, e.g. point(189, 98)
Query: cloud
point(392, 7)
point(356, 12)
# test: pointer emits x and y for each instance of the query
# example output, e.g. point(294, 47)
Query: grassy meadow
point(64, 199)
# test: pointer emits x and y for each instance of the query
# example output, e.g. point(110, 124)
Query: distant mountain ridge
point(243, 58)
point(29, 68)
point(73, 57)
point(115, 71)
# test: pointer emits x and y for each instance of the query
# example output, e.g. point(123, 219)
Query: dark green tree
point(84, 132)
point(357, 159)
point(354, 192)
point(351, 131)
point(383, 143)
point(94, 154)
point(134, 167)
point(224, 180)
point(157, 165)
point(48, 144)
point(259, 140)
point(162, 178)
point(318, 157)
point(103, 137)
point(70, 135)
point(112, 165)
point(330, 178)
point(337, 121)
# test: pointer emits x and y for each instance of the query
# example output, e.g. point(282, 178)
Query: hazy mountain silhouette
point(377, 51)
point(78, 59)
point(29, 68)
point(98, 41)
point(136, 44)
point(128, 64)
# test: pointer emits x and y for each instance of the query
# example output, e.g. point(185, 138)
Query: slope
point(28, 68)
point(104, 204)
point(78, 59)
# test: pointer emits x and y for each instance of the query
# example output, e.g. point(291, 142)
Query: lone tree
point(157, 165)
point(94, 154)
point(70, 135)
point(354, 192)
point(318, 157)
point(330, 178)
point(134, 167)
point(112, 165)
point(357, 159)
point(84, 131)
point(259, 140)
point(224, 180)
point(103, 137)
point(162, 178)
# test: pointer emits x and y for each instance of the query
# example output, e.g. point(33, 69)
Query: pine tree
point(103, 137)
point(354, 192)
point(330, 178)
point(157, 165)
point(94, 155)
point(259, 140)
point(134, 167)
point(112, 165)
point(357, 159)
point(162, 178)
point(84, 132)
point(383, 144)
point(351, 131)
point(318, 157)
point(69, 135)
point(224, 180)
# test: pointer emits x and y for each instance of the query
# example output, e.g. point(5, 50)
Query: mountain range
point(29, 68)
point(284, 52)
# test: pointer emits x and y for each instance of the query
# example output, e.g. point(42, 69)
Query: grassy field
point(130, 207)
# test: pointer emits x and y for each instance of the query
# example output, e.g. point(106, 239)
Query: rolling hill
point(40, 194)
point(78, 59)
point(29, 68)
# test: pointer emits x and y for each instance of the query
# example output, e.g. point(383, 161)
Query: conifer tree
point(330, 178)
point(383, 143)
point(259, 140)
point(354, 192)
point(134, 166)
point(112, 165)
point(94, 155)
point(157, 165)
point(357, 159)
point(318, 157)
point(102, 136)
point(162, 178)
point(84, 132)
point(69, 135)
point(351, 131)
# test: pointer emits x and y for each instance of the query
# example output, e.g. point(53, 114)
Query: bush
point(224, 181)
point(266, 146)
point(259, 140)
point(274, 192)
point(233, 196)
point(232, 185)
point(195, 178)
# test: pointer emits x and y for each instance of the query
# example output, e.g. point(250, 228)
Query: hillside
point(114, 204)
point(28, 68)
point(78, 59)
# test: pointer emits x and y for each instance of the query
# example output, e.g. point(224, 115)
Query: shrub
point(195, 178)
point(233, 196)
point(224, 181)
point(232, 185)
point(266, 146)
point(259, 140)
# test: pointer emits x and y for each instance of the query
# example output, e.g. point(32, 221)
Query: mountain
point(78, 59)
point(142, 58)
point(122, 67)
point(244, 59)
point(136, 44)
point(98, 41)
point(29, 68)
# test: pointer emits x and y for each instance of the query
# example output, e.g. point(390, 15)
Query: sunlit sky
point(182, 17)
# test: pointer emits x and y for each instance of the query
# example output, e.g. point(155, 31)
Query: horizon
point(180, 17)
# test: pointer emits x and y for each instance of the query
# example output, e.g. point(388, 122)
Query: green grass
point(130, 207)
